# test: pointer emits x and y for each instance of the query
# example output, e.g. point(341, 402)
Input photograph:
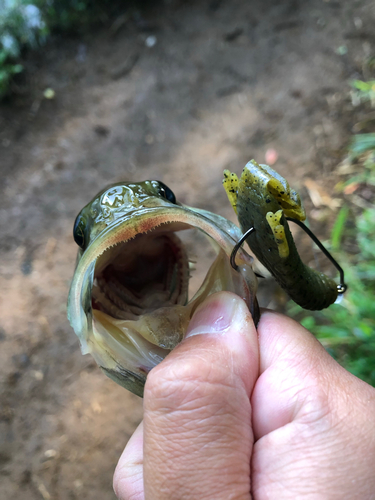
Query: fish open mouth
point(141, 275)
point(134, 294)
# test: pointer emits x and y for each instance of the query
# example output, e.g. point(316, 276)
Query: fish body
point(128, 302)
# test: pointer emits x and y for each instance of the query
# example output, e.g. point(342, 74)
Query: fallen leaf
point(350, 188)
point(319, 196)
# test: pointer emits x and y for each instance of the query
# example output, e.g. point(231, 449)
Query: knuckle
point(188, 381)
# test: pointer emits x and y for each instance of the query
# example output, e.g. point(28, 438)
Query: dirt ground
point(178, 93)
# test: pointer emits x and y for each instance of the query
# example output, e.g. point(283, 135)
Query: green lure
point(262, 199)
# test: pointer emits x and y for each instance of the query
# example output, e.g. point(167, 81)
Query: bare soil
point(223, 83)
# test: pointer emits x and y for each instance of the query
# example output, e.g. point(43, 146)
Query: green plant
point(364, 91)
point(7, 70)
point(21, 24)
point(362, 146)
point(73, 15)
point(362, 143)
point(27, 23)
point(347, 329)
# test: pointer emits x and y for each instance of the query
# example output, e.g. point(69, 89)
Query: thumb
point(197, 415)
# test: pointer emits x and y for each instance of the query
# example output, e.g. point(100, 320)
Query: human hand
point(232, 414)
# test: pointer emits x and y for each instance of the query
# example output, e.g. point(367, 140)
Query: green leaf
point(362, 143)
point(308, 322)
point(338, 227)
point(362, 86)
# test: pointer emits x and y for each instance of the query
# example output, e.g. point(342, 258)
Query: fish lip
point(166, 214)
point(142, 220)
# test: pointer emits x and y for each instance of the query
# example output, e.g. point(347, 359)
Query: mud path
point(222, 83)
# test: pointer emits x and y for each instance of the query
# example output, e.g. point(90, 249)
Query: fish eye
point(167, 193)
point(79, 231)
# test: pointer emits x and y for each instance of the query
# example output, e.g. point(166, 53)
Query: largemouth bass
point(128, 302)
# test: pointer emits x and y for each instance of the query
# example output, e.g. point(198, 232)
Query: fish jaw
point(127, 348)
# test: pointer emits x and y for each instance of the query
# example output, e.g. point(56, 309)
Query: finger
point(297, 376)
point(291, 360)
point(307, 413)
point(281, 337)
point(128, 477)
point(197, 415)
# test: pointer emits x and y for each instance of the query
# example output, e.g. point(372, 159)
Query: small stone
point(49, 93)
point(95, 406)
point(37, 374)
point(151, 41)
point(78, 484)
point(342, 50)
point(358, 23)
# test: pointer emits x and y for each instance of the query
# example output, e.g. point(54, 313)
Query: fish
point(263, 200)
point(129, 298)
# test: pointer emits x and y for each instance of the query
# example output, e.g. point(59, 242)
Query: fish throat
point(141, 275)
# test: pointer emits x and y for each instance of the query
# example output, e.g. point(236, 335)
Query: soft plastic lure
point(263, 200)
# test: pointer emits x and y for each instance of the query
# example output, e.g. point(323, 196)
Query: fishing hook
point(341, 288)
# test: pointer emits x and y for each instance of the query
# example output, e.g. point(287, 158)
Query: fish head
point(129, 299)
